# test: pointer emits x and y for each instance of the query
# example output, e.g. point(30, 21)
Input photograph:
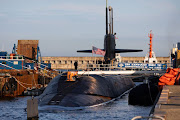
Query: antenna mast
point(150, 45)
point(106, 17)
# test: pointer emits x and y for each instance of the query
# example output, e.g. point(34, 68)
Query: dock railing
point(19, 57)
point(95, 67)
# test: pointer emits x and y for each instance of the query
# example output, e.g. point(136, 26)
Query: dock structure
point(68, 62)
point(168, 105)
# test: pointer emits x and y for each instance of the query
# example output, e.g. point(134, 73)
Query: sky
point(65, 26)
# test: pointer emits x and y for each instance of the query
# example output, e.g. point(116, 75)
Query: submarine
point(72, 90)
point(109, 40)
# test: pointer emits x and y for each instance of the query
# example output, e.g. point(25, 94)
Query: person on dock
point(75, 65)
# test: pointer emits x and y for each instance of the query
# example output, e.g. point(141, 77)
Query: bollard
point(32, 109)
point(146, 80)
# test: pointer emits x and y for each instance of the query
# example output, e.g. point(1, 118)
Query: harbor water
point(14, 109)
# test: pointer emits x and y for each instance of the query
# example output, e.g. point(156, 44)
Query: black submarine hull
point(85, 91)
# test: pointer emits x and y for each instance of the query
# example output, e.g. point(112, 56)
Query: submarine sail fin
point(87, 51)
point(126, 50)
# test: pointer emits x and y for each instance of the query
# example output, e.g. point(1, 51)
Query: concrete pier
point(168, 105)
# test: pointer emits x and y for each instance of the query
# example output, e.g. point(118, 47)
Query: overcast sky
point(65, 26)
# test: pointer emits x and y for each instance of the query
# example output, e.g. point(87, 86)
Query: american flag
point(98, 51)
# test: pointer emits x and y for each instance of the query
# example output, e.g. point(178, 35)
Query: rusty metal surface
point(15, 72)
point(14, 83)
point(27, 48)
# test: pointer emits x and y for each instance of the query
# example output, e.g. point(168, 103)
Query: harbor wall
point(68, 62)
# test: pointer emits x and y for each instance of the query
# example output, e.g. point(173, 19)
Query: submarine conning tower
point(109, 39)
point(109, 46)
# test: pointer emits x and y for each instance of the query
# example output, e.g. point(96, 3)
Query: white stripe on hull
point(127, 72)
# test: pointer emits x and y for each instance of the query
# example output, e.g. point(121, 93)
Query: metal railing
point(95, 67)
point(11, 57)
